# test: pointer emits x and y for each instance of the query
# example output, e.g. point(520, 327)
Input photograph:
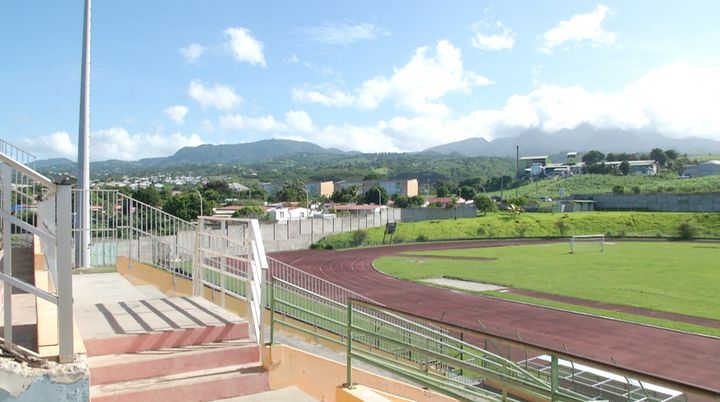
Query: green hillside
point(603, 184)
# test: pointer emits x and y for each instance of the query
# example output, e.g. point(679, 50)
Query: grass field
point(675, 277)
point(504, 225)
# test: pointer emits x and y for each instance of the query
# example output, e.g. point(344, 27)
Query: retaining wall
point(699, 202)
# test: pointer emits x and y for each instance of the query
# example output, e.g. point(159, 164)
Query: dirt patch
point(463, 285)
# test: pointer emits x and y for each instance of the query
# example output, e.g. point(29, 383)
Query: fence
point(51, 222)
point(231, 265)
point(699, 202)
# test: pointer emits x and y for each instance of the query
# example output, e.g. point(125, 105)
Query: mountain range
point(580, 139)
point(530, 142)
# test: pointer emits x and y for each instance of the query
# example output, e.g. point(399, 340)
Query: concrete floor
point(290, 394)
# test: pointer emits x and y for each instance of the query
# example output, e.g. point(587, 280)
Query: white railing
point(53, 228)
point(231, 264)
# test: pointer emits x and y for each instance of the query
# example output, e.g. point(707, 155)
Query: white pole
point(82, 217)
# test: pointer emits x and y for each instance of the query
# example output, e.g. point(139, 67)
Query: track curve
point(692, 359)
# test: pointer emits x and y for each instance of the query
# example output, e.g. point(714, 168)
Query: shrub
point(422, 237)
point(688, 230)
point(485, 204)
point(359, 237)
point(618, 189)
point(521, 229)
point(562, 226)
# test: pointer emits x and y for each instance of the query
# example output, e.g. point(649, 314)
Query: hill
point(580, 139)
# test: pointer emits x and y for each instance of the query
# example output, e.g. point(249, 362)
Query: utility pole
point(82, 210)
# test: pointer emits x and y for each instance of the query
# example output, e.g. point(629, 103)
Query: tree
point(292, 191)
point(672, 154)
point(185, 206)
point(347, 194)
point(148, 195)
point(251, 212)
point(624, 167)
point(375, 194)
point(373, 176)
point(217, 185)
point(485, 204)
point(659, 156)
point(467, 192)
point(441, 189)
point(593, 157)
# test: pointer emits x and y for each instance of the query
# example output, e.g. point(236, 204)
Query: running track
point(691, 359)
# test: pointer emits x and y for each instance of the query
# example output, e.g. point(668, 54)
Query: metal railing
point(440, 361)
point(231, 265)
point(52, 224)
point(24, 194)
point(311, 283)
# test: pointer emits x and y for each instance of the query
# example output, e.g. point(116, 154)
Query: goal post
point(587, 238)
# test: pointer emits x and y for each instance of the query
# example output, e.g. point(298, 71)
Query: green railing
point(436, 356)
point(442, 362)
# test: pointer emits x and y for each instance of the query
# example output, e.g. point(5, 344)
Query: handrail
point(567, 355)
point(25, 170)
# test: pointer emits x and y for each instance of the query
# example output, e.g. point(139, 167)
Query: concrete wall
point(700, 202)
point(422, 214)
point(59, 382)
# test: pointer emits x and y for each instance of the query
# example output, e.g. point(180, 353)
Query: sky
point(372, 76)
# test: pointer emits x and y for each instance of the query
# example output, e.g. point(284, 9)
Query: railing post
point(272, 311)
point(63, 241)
point(7, 256)
point(554, 377)
point(348, 363)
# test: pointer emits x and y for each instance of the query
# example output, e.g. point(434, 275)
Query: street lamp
point(201, 202)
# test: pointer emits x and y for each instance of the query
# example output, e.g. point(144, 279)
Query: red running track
point(687, 358)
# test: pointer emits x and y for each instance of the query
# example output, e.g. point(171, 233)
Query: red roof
point(445, 200)
point(354, 207)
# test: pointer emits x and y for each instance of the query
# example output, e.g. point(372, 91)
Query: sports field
point(674, 277)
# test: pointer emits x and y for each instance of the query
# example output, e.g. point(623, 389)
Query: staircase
point(170, 349)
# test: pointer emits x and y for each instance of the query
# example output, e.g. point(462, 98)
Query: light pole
point(201, 202)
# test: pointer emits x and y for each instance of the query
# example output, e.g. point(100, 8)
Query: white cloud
point(580, 27)
point(117, 143)
point(219, 96)
point(256, 124)
point(176, 113)
point(295, 121)
point(418, 86)
point(330, 98)
point(113, 143)
point(422, 82)
point(492, 36)
point(299, 120)
point(344, 34)
point(244, 47)
point(55, 145)
point(192, 52)
point(675, 100)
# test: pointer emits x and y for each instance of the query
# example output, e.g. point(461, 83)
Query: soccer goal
point(576, 240)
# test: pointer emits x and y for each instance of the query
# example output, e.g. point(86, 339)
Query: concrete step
point(152, 324)
point(133, 343)
point(108, 369)
point(203, 385)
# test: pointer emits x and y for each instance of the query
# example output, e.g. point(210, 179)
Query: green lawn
point(504, 225)
point(676, 277)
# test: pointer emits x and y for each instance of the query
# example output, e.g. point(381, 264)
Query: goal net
point(587, 242)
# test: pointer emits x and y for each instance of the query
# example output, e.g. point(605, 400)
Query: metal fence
point(319, 227)
point(231, 265)
point(51, 223)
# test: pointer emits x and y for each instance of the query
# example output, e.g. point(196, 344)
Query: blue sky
point(371, 76)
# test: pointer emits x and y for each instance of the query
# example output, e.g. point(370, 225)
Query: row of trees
point(669, 159)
